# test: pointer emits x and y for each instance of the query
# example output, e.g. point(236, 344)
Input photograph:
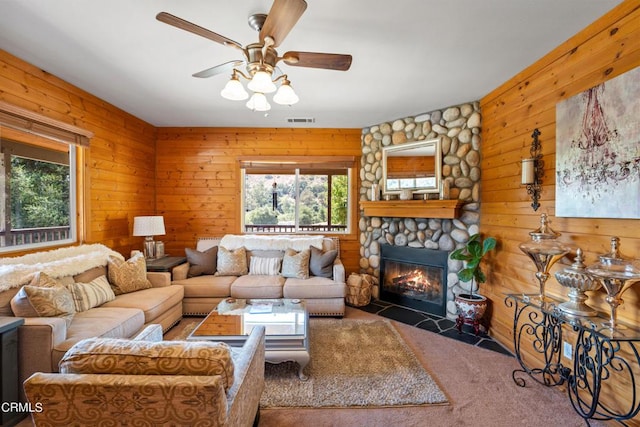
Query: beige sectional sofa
point(42, 341)
point(323, 292)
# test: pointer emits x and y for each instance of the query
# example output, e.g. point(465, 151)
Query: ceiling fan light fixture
point(234, 90)
point(261, 82)
point(258, 102)
point(285, 94)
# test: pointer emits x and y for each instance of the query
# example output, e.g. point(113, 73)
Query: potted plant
point(471, 306)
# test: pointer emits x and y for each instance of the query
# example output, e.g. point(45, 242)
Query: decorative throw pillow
point(130, 357)
point(92, 294)
point(264, 266)
point(296, 264)
point(321, 263)
point(201, 262)
point(44, 296)
point(128, 276)
point(232, 262)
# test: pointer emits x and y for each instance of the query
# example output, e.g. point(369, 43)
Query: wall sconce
point(533, 170)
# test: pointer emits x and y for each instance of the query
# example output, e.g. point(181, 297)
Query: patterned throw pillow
point(128, 276)
point(92, 294)
point(201, 262)
point(264, 266)
point(321, 263)
point(232, 263)
point(296, 264)
point(127, 357)
point(44, 296)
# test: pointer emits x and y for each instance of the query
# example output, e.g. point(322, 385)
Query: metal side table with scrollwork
point(603, 358)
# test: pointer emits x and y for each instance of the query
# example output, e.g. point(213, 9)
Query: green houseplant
point(471, 306)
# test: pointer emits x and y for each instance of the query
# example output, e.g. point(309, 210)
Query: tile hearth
point(433, 323)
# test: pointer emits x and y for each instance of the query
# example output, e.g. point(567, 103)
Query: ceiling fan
point(260, 59)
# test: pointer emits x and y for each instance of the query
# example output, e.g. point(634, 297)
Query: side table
point(10, 391)
point(165, 264)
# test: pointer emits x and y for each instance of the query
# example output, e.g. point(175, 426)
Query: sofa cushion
point(231, 262)
point(201, 262)
point(153, 302)
point(44, 296)
point(128, 357)
point(89, 275)
point(257, 287)
point(321, 263)
point(92, 294)
point(206, 286)
point(106, 322)
point(313, 287)
point(128, 276)
point(265, 266)
point(296, 264)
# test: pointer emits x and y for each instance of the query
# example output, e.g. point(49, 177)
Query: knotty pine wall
point(606, 49)
point(120, 168)
point(198, 177)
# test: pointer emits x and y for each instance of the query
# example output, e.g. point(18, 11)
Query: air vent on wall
point(301, 120)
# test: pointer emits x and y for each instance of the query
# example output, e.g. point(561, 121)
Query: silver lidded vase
point(578, 281)
point(544, 250)
point(616, 275)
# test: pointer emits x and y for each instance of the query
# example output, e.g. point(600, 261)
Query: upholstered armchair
point(115, 382)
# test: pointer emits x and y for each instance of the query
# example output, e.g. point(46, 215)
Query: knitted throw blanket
point(16, 271)
point(281, 243)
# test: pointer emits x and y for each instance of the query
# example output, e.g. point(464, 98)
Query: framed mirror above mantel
point(412, 208)
point(414, 166)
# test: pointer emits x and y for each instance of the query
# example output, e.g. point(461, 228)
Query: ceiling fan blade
point(281, 18)
point(330, 61)
point(170, 19)
point(218, 69)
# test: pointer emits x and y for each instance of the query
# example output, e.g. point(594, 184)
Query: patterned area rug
point(353, 363)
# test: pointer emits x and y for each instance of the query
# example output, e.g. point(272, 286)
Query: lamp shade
point(261, 82)
point(258, 102)
point(148, 226)
point(234, 90)
point(285, 95)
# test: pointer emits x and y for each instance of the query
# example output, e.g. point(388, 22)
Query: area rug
point(354, 363)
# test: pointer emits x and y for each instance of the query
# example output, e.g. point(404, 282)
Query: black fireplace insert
point(414, 277)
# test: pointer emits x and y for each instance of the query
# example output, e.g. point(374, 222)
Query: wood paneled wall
point(198, 177)
point(119, 179)
point(606, 49)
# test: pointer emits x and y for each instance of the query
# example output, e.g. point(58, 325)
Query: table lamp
point(148, 226)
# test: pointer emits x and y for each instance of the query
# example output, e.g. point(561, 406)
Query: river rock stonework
point(458, 127)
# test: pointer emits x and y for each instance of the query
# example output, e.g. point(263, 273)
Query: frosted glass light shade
point(258, 102)
point(148, 226)
point(234, 90)
point(261, 82)
point(285, 95)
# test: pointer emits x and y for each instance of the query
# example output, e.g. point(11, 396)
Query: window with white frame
point(304, 195)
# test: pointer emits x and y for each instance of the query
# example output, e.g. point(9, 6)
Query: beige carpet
point(353, 363)
point(477, 383)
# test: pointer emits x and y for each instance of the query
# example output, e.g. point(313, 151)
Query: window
point(296, 196)
point(38, 199)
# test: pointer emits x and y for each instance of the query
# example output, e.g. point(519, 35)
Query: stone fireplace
point(458, 127)
point(414, 277)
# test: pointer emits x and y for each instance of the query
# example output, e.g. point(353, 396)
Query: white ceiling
point(409, 56)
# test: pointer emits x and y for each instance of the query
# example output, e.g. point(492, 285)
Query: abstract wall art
point(598, 151)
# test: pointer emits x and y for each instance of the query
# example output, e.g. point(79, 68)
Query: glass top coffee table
point(286, 323)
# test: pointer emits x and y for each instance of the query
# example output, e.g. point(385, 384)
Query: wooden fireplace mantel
point(412, 208)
